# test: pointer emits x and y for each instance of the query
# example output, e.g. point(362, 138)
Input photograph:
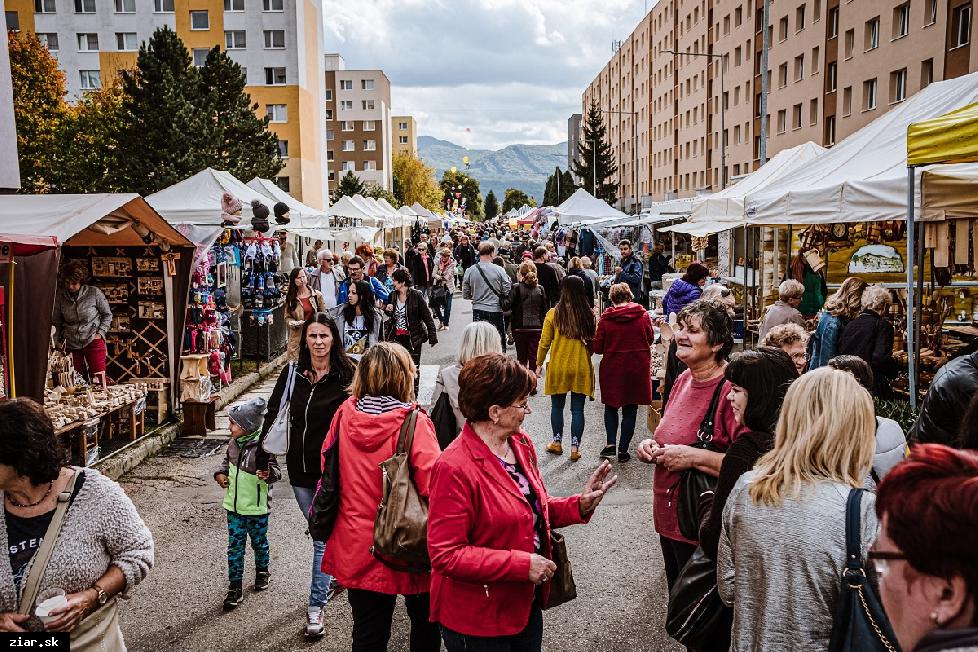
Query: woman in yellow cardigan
point(567, 333)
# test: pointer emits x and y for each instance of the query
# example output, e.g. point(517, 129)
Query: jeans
point(527, 342)
point(496, 319)
point(443, 311)
point(675, 554)
point(628, 414)
point(319, 586)
point(372, 616)
point(529, 640)
point(557, 403)
point(239, 529)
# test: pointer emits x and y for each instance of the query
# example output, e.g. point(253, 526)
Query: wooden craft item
point(942, 246)
point(930, 235)
point(961, 242)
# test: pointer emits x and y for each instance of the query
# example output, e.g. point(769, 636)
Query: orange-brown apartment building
point(833, 67)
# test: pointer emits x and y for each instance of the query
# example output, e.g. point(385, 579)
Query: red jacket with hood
point(625, 336)
point(367, 440)
point(480, 537)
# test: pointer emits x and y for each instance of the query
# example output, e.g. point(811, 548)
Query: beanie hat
point(230, 209)
point(695, 273)
point(260, 220)
point(249, 414)
point(281, 210)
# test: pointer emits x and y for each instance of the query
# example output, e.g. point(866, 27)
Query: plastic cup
point(47, 601)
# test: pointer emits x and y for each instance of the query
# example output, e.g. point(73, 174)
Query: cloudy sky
point(483, 73)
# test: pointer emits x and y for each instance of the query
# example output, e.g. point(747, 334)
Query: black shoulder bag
point(693, 485)
point(860, 624)
point(443, 416)
point(696, 616)
point(504, 301)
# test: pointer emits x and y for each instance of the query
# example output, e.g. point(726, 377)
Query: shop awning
point(949, 138)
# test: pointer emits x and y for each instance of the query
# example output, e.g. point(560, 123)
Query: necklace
point(34, 504)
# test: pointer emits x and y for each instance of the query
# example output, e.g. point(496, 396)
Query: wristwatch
point(102, 597)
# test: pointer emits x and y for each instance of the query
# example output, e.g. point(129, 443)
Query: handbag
point(562, 587)
point(859, 624)
point(401, 525)
point(696, 616)
point(326, 501)
point(504, 301)
point(446, 425)
point(276, 440)
point(693, 484)
point(438, 295)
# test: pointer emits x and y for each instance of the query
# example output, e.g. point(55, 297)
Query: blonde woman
point(478, 338)
point(841, 308)
point(782, 549)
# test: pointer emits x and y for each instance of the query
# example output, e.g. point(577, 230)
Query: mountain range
point(515, 166)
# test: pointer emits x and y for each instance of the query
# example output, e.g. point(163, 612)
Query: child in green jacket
point(246, 498)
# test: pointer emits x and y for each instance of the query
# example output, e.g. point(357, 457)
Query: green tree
point(237, 139)
point(567, 187)
point(595, 161)
point(162, 125)
point(492, 205)
point(515, 198)
point(39, 109)
point(414, 182)
point(348, 186)
point(375, 191)
point(450, 183)
point(560, 186)
point(550, 191)
point(89, 151)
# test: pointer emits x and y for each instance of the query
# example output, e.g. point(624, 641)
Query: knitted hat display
point(281, 210)
point(260, 220)
point(230, 209)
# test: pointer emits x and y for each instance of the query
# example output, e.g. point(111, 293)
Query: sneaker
point(555, 448)
point(234, 597)
point(608, 451)
point(261, 580)
point(314, 622)
point(624, 457)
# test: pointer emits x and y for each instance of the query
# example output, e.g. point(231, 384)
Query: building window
point(800, 18)
point(869, 94)
point(329, 114)
point(926, 73)
point(283, 148)
point(90, 79)
point(346, 105)
point(274, 76)
point(282, 183)
point(348, 166)
point(233, 5)
point(782, 120)
point(898, 85)
point(816, 60)
point(370, 145)
point(88, 42)
point(329, 95)
point(817, 11)
point(850, 42)
point(200, 57)
point(346, 84)
point(830, 131)
point(402, 126)
point(274, 39)
point(44, 7)
point(330, 135)
point(931, 16)
point(796, 116)
point(847, 100)
point(199, 20)
point(813, 112)
point(783, 29)
point(738, 16)
point(236, 39)
point(961, 25)
point(273, 5)
point(368, 105)
point(832, 77)
point(13, 21)
point(330, 155)
point(84, 6)
point(369, 125)
point(370, 166)
point(126, 41)
point(799, 67)
point(832, 28)
point(403, 140)
point(346, 125)
point(277, 112)
point(49, 40)
point(872, 40)
point(125, 6)
point(348, 146)
point(901, 20)
point(163, 6)
point(782, 75)
point(367, 84)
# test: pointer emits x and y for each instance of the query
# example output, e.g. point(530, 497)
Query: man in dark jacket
point(419, 263)
point(546, 275)
point(630, 270)
point(939, 421)
point(465, 253)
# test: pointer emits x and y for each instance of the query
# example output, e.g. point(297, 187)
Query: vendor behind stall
point(81, 319)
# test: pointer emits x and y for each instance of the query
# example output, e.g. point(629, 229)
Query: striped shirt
point(380, 404)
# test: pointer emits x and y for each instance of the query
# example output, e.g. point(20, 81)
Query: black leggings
point(372, 616)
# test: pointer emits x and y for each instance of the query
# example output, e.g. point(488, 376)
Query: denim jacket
point(824, 342)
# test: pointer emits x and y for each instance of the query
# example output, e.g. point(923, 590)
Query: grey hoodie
point(77, 320)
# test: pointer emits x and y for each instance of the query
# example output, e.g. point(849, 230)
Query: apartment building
point(833, 67)
point(279, 43)
point(405, 133)
point(358, 123)
point(574, 127)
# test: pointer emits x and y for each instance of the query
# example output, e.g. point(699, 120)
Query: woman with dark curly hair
point(64, 527)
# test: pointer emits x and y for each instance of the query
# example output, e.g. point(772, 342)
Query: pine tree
point(348, 186)
point(597, 165)
point(567, 187)
point(550, 191)
point(237, 140)
point(162, 125)
point(39, 109)
point(492, 205)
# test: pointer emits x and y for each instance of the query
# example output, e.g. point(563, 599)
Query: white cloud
point(483, 73)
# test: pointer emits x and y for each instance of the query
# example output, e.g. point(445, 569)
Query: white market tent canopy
point(864, 177)
point(300, 215)
point(197, 200)
point(584, 208)
point(346, 207)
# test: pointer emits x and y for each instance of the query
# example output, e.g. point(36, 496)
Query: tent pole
point(745, 287)
point(922, 256)
point(911, 258)
point(12, 390)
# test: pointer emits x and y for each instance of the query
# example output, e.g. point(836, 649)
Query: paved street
point(617, 564)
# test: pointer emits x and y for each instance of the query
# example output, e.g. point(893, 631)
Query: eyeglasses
point(524, 406)
point(881, 560)
point(326, 260)
point(799, 356)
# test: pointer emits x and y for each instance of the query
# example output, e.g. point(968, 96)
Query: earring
point(935, 618)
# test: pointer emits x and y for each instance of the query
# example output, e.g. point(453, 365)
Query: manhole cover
point(194, 448)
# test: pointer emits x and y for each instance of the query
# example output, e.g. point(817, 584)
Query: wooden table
point(199, 417)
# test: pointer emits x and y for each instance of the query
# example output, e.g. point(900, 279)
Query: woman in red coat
point(369, 423)
point(625, 337)
point(489, 516)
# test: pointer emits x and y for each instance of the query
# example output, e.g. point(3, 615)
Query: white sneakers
point(314, 622)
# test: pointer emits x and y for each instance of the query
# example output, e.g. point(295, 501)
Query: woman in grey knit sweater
point(103, 548)
point(782, 549)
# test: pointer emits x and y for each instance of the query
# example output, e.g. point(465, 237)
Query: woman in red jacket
point(369, 423)
point(489, 516)
point(625, 337)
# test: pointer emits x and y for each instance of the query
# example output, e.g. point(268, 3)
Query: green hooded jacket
point(246, 495)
